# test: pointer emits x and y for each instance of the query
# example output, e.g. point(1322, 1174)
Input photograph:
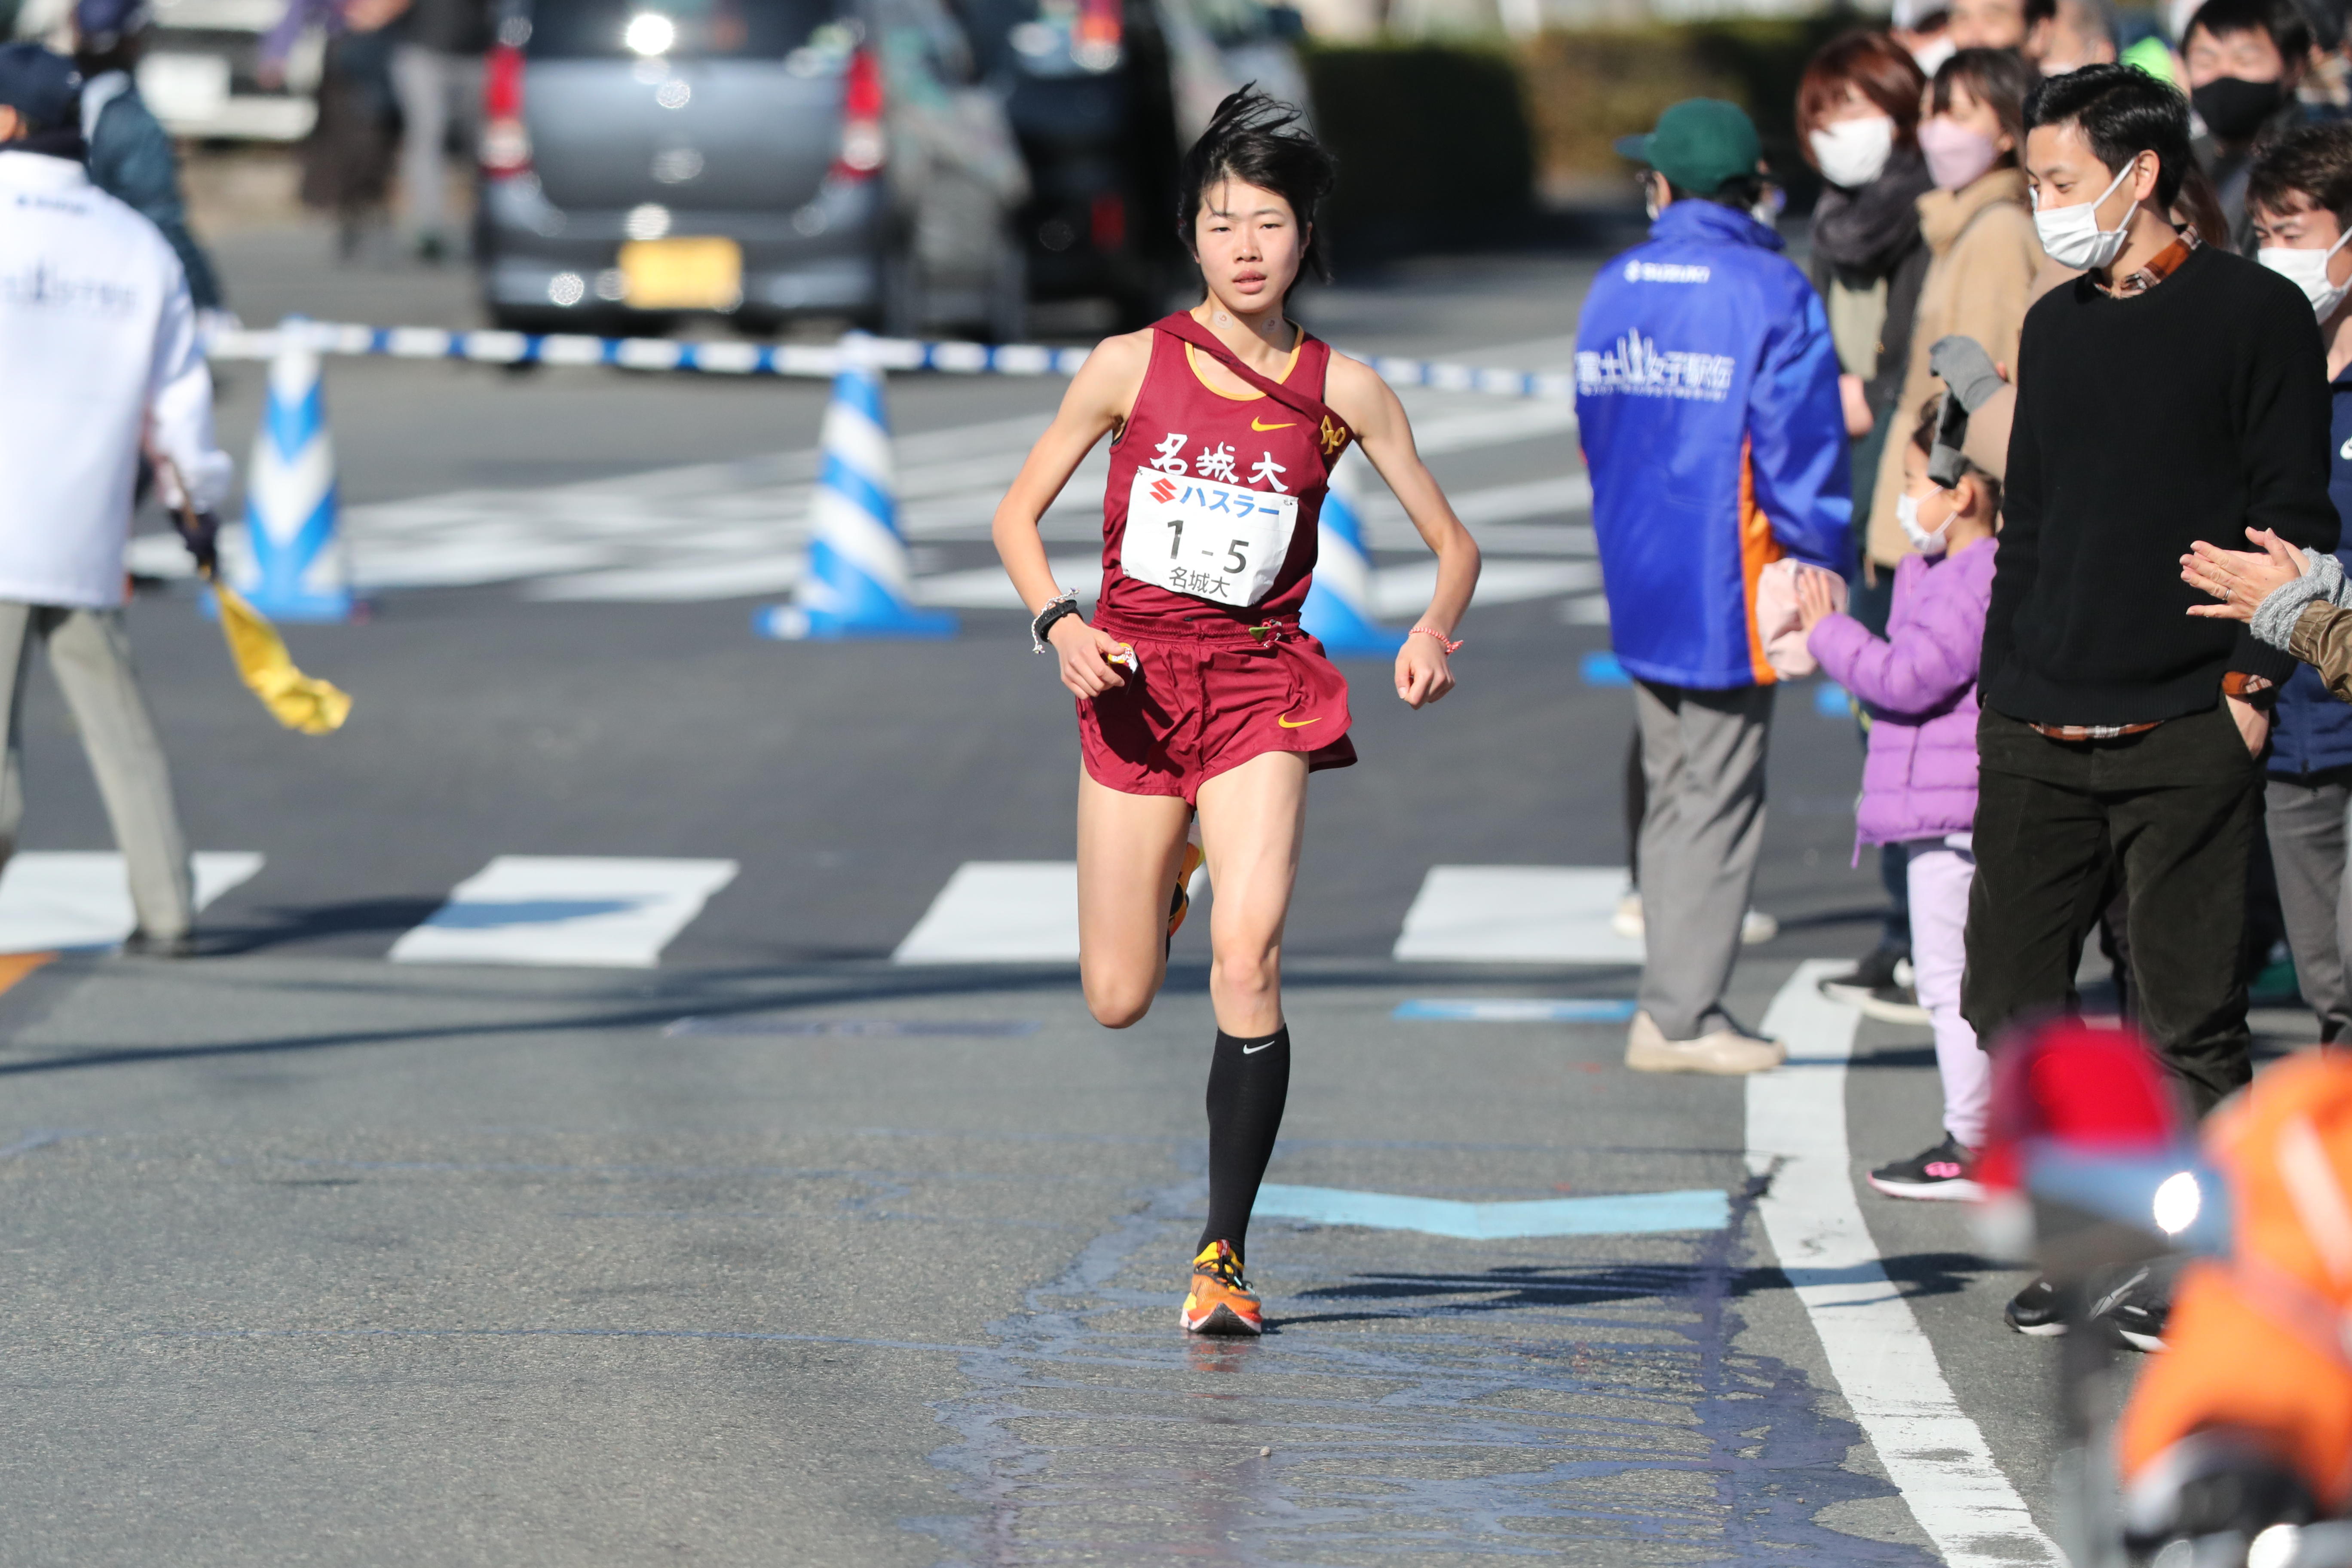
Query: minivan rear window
point(700, 29)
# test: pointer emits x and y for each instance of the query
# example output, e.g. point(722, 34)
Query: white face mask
point(1907, 512)
point(2071, 236)
point(1852, 152)
point(1768, 208)
point(2307, 270)
point(1933, 53)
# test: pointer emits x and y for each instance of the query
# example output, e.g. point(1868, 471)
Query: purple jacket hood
point(1919, 780)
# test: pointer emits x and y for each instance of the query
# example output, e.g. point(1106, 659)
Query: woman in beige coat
point(1978, 227)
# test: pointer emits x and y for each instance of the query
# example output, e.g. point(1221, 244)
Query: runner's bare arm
point(1361, 397)
point(1096, 402)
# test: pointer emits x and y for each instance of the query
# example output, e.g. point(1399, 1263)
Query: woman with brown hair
point(1979, 232)
point(1858, 120)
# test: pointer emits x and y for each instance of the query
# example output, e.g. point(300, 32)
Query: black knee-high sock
point(1248, 1082)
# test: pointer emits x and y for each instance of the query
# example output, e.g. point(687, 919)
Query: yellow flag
point(295, 699)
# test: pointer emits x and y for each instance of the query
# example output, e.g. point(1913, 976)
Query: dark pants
point(2176, 811)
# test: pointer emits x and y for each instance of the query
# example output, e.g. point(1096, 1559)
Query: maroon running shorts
point(1207, 698)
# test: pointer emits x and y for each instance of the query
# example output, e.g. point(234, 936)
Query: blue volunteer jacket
point(1706, 393)
point(2309, 729)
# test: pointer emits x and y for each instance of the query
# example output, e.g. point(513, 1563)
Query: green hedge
point(1439, 136)
point(1586, 89)
point(1426, 134)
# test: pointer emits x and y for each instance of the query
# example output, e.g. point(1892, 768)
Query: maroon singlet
point(1182, 426)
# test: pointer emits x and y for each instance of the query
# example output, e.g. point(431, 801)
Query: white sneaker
point(1756, 927)
point(1724, 1052)
point(1627, 921)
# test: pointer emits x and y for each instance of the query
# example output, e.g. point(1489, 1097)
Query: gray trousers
point(90, 653)
point(2306, 816)
point(1703, 757)
point(434, 88)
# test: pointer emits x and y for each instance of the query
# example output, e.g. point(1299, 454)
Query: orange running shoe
point(1221, 1301)
point(1182, 905)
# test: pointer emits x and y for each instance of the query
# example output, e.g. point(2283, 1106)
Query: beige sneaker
point(1725, 1051)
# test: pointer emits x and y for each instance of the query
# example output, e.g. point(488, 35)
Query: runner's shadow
point(1505, 1290)
point(282, 926)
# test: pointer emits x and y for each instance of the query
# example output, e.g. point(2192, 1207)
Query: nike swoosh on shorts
point(1301, 724)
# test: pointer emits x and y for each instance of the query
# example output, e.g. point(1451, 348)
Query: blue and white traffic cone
point(297, 569)
point(859, 582)
point(1339, 608)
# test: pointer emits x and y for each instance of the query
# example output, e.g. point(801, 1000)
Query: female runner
point(1195, 687)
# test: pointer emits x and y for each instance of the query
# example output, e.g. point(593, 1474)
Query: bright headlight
point(650, 33)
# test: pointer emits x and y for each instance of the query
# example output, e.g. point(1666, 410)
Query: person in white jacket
point(98, 358)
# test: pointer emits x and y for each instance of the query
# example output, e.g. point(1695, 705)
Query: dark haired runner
point(1196, 687)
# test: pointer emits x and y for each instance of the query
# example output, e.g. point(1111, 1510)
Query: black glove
point(200, 532)
point(1966, 368)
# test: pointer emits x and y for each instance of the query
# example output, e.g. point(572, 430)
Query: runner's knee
point(1120, 1003)
point(1246, 969)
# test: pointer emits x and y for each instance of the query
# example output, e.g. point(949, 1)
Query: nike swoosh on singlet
point(1262, 428)
point(1301, 724)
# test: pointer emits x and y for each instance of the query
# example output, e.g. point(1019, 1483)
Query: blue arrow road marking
point(1626, 1214)
point(1519, 1009)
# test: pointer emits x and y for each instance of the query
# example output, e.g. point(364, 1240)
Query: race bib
point(1222, 542)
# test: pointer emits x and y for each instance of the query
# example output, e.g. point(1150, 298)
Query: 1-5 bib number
point(1221, 543)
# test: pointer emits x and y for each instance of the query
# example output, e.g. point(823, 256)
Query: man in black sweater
point(2171, 394)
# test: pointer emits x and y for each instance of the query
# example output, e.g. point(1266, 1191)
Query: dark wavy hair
point(2121, 112)
point(2311, 161)
point(1264, 142)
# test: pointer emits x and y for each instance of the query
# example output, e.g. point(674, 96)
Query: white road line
point(57, 899)
point(999, 911)
point(592, 911)
point(1517, 914)
point(1883, 1362)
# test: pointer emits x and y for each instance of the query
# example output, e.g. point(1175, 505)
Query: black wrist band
point(1067, 605)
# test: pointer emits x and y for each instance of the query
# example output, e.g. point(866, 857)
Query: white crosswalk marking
point(738, 529)
point(587, 911)
point(1518, 914)
point(52, 900)
point(999, 911)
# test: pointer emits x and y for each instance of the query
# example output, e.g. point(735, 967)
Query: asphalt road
point(783, 1252)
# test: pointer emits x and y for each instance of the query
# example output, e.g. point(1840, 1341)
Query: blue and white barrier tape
point(812, 360)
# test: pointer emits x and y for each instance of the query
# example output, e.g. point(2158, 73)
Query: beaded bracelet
point(1424, 631)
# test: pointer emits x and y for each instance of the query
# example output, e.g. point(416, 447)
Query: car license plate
point(185, 88)
point(697, 273)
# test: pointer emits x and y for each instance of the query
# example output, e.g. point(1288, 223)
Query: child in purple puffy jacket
point(1919, 782)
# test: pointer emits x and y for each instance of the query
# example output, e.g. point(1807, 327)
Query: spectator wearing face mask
point(1919, 782)
point(2172, 394)
point(1857, 117)
point(2299, 196)
point(1923, 28)
point(1980, 239)
point(2245, 59)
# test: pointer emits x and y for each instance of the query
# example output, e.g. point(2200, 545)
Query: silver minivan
point(647, 160)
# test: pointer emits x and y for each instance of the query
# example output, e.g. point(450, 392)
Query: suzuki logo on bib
point(1216, 542)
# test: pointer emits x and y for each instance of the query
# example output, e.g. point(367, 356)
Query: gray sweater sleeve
point(2323, 579)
